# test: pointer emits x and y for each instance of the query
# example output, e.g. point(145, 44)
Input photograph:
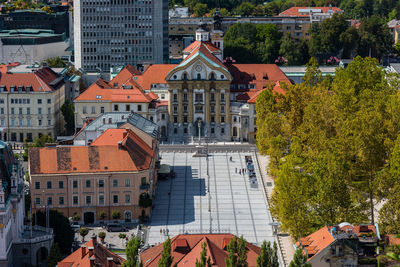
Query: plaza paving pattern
point(182, 203)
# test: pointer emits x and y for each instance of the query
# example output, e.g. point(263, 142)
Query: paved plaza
point(225, 202)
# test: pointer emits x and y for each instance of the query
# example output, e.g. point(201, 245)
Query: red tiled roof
point(125, 75)
point(81, 257)
point(319, 240)
point(316, 241)
point(294, 11)
point(393, 240)
point(43, 80)
point(154, 74)
point(187, 257)
point(203, 48)
point(258, 74)
point(103, 155)
point(153, 95)
point(212, 48)
point(102, 91)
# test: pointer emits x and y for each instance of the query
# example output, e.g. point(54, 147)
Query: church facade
point(205, 94)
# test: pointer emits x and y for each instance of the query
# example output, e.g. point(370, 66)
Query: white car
point(75, 227)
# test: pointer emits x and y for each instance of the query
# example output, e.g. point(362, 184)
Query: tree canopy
point(63, 233)
point(330, 141)
point(166, 259)
point(132, 253)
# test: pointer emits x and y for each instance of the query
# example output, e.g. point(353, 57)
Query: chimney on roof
point(92, 261)
point(125, 134)
point(91, 250)
point(110, 261)
point(120, 145)
point(83, 250)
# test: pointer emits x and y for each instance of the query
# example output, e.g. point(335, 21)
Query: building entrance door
point(88, 217)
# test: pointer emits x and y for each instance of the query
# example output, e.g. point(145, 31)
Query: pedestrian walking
point(240, 171)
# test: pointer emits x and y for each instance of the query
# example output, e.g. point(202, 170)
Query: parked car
point(250, 167)
point(75, 226)
point(115, 227)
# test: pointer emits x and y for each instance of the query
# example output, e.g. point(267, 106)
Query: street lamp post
point(199, 126)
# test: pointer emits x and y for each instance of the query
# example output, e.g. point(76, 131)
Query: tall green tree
point(339, 134)
point(289, 50)
point(68, 112)
point(132, 253)
point(166, 259)
point(54, 255)
point(268, 256)
point(237, 253)
point(375, 38)
point(299, 259)
point(200, 9)
point(245, 9)
point(204, 261)
point(63, 233)
point(56, 62)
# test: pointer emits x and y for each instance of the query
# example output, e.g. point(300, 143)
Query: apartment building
point(111, 33)
point(111, 174)
point(128, 91)
point(342, 245)
point(146, 129)
point(30, 104)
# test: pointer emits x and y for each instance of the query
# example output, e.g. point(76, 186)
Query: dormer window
point(12, 88)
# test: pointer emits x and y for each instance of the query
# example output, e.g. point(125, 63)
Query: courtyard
point(225, 202)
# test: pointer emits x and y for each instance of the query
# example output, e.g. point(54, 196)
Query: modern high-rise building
point(110, 33)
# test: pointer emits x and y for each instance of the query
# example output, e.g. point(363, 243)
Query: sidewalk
point(285, 241)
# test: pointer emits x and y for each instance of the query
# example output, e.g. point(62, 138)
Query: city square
point(226, 202)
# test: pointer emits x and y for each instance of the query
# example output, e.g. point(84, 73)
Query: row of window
point(24, 101)
point(116, 108)
point(88, 183)
point(28, 111)
point(198, 97)
point(21, 123)
point(198, 109)
point(88, 200)
point(212, 129)
point(212, 119)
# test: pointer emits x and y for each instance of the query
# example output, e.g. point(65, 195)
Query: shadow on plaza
point(174, 201)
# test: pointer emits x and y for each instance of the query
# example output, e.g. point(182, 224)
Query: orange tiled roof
point(154, 74)
point(294, 11)
point(125, 75)
point(100, 254)
point(186, 250)
point(258, 74)
point(102, 91)
point(103, 155)
point(43, 80)
point(393, 240)
point(316, 241)
point(202, 48)
point(212, 48)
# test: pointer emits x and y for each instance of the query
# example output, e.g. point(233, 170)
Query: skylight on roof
point(98, 96)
